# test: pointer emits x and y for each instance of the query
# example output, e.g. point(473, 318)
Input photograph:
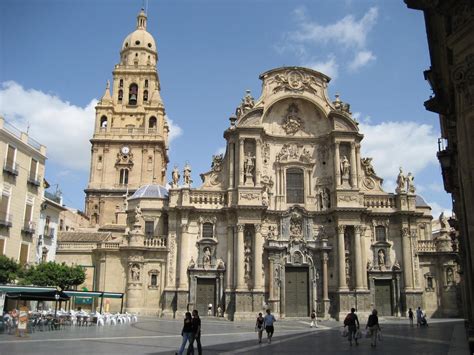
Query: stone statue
point(401, 182)
point(247, 259)
point(348, 271)
point(187, 175)
point(220, 264)
point(410, 184)
point(449, 276)
point(264, 197)
point(443, 221)
point(138, 213)
point(175, 177)
point(191, 264)
point(324, 199)
point(206, 259)
point(396, 266)
point(367, 165)
point(345, 166)
point(248, 164)
point(135, 272)
point(369, 265)
point(381, 259)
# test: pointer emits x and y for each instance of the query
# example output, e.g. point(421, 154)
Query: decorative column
point(240, 257)
point(231, 164)
point(258, 161)
point(353, 163)
point(337, 164)
point(230, 258)
point(241, 162)
point(271, 279)
point(358, 258)
point(407, 259)
point(363, 256)
point(341, 255)
point(358, 167)
point(325, 277)
point(257, 257)
point(183, 256)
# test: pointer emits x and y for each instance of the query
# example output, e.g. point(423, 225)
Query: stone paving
point(160, 336)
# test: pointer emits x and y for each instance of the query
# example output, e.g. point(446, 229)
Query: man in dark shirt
point(196, 324)
point(350, 322)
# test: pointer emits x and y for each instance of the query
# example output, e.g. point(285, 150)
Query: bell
point(133, 97)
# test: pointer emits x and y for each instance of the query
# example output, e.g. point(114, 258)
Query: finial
point(107, 87)
point(141, 20)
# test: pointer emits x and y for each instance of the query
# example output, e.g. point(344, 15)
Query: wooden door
point(383, 297)
point(205, 294)
point(296, 292)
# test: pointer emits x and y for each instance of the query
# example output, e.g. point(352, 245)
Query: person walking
point(268, 321)
point(350, 322)
point(410, 316)
point(187, 332)
point(419, 316)
point(314, 322)
point(374, 327)
point(259, 327)
point(196, 336)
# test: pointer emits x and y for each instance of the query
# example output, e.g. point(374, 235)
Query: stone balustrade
point(372, 201)
point(76, 246)
point(108, 245)
point(426, 246)
point(155, 242)
point(211, 199)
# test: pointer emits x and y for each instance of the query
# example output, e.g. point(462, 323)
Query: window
point(154, 280)
point(149, 228)
point(10, 161)
point(61, 224)
point(5, 219)
point(124, 176)
point(145, 95)
point(429, 283)
point(2, 246)
point(380, 235)
point(152, 123)
point(207, 230)
point(146, 83)
point(33, 169)
point(28, 224)
point(133, 94)
point(120, 95)
point(103, 122)
point(121, 81)
point(23, 253)
point(294, 186)
point(46, 226)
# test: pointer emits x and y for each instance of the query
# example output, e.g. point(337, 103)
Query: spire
point(141, 20)
point(107, 97)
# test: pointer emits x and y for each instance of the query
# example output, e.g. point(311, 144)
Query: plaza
point(162, 336)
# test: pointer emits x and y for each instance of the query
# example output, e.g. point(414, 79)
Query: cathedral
point(290, 218)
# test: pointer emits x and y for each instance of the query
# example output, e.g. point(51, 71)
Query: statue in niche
point(191, 264)
point(324, 199)
point(187, 175)
point(249, 167)
point(247, 259)
point(265, 196)
point(345, 166)
point(449, 276)
point(135, 272)
point(381, 259)
point(138, 214)
point(396, 266)
point(410, 184)
point(401, 182)
point(206, 259)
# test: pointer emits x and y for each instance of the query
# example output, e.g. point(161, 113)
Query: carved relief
point(367, 166)
point(292, 123)
point(296, 226)
point(265, 153)
point(294, 81)
point(324, 199)
point(248, 256)
point(368, 183)
point(272, 233)
point(294, 152)
point(463, 78)
point(249, 196)
point(323, 152)
point(347, 198)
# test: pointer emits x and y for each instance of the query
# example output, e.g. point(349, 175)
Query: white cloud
point(437, 187)
point(53, 122)
point(175, 130)
point(361, 59)
point(393, 144)
point(328, 67)
point(221, 150)
point(436, 210)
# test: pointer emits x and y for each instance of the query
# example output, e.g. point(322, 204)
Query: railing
point(72, 245)
point(108, 245)
point(156, 242)
point(11, 168)
point(211, 198)
point(34, 181)
point(5, 219)
point(379, 201)
point(426, 246)
point(52, 197)
point(29, 227)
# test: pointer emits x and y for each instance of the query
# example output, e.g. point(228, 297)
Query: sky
point(56, 56)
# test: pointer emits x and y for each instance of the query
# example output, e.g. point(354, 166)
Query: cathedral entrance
point(205, 295)
point(296, 291)
point(383, 297)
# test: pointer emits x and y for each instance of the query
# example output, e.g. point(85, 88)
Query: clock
point(125, 150)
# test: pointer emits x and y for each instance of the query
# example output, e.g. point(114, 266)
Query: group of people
point(352, 323)
point(420, 317)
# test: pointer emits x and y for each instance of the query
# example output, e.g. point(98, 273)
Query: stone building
point(291, 217)
point(21, 183)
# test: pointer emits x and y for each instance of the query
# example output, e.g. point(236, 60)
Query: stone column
point(258, 161)
point(183, 257)
point(363, 256)
point(358, 167)
point(341, 255)
point(231, 164)
point(407, 259)
point(337, 164)
point(271, 279)
point(325, 277)
point(353, 163)
point(230, 258)
point(240, 257)
point(358, 258)
point(241, 161)
point(257, 257)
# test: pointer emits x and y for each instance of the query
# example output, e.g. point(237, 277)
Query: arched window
point(120, 95)
point(123, 176)
point(133, 94)
point(121, 83)
point(152, 122)
point(294, 185)
point(146, 83)
point(103, 122)
point(145, 95)
point(207, 230)
point(380, 234)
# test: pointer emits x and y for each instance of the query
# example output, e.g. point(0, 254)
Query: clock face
point(125, 150)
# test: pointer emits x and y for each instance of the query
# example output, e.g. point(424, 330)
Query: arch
point(120, 95)
point(121, 83)
point(133, 94)
point(145, 95)
point(152, 122)
point(294, 185)
point(146, 80)
point(123, 178)
point(103, 122)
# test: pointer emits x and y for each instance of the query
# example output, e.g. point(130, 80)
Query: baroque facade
point(291, 217)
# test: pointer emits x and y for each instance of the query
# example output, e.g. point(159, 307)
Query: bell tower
point(130, 141)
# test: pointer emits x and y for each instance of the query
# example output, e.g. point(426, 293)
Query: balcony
point(10, 168)
point(49, 233)
point(34, 181)
point(29, 228)
point(5, 220)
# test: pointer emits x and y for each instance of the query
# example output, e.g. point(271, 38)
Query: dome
point(150, 191)
point(140, 38)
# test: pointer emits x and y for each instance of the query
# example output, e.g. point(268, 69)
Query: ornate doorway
point(297, 291)
point(205, 295)
point(383, 297)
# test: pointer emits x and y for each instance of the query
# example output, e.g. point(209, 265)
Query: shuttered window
point(294, 186)
point(23, 254)
point(2, 246)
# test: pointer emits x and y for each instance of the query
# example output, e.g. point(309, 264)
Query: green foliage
point(9, 270)
point(54, 274)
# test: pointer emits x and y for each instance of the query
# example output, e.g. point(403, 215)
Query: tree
point(9, 270)
point(54, 274)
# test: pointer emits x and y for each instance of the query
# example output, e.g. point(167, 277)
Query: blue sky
point(55, 58)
